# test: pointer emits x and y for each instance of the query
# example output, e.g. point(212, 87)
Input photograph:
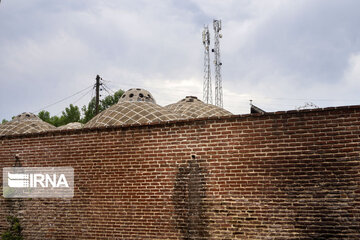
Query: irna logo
point(20, 180)
point(31, 182)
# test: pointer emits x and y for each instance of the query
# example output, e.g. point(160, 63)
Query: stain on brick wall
point(189, 201)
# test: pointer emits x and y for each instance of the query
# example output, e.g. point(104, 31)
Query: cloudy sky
point(279, 53)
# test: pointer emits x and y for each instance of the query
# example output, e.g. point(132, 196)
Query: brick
point(284, 175)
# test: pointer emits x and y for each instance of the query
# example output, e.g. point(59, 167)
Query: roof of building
point(192, 107)
point(72, 125)
point(137, 107)
point(255, 109)
point(25, 123)
point(137, 95)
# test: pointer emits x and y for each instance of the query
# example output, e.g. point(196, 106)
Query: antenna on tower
point(217, 62)
point(207, 89)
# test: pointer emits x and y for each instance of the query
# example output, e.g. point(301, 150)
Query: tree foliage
point(90, 109)
point(45, 116)
point(73, 114)
point(14, 231)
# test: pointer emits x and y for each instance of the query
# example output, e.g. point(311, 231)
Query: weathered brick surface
point(290, 175)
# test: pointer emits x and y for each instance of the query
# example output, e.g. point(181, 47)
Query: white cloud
point(278, 53)
point(352, 72)
point(57, 53)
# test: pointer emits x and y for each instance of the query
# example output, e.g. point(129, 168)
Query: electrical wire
point(107, 89)
point(52, 104)
point(107, 92)
point(275, 99)
point(306, 99)
point(91, 90)
point(92, 95)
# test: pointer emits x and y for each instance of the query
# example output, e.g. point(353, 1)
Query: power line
point(50, 105)
point(83, 96)
point(91, 90)
point(311, 99)
point(92, 95)
point(108, 88)
point(238, 96)
point(301, 99)
point(185, 91)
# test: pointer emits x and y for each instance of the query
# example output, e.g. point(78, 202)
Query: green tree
point(89, 110)
point(57, 121)
point(111, 99)
point(5, 120)
point(71, 114)
point(45, 116)
point(54, 120)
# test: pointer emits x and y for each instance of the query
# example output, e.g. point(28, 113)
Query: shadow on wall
point(189, 201)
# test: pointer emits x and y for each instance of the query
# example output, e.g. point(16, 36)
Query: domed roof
point(137, 95)
point(192, 107)
point(72, 125)
point(25, 123)
point(137, 107)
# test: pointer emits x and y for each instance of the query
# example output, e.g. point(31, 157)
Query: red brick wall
point(291, 175)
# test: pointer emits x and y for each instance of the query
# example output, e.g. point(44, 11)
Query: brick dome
point(25, 123)
point(72, 125)
point(137, 95)
point(136, 106)
point(192, 107)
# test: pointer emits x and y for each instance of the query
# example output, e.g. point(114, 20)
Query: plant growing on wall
point(14, 231)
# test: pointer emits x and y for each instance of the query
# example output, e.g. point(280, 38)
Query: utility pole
point(207, 91)
point(218, 63)
point(97, 89)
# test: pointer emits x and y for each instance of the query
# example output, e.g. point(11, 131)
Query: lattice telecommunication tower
point(217, 62)
point(207, 91)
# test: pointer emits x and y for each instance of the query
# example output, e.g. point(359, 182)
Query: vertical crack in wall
point(189, 201)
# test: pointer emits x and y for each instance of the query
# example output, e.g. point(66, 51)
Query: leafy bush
point(14, 231)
